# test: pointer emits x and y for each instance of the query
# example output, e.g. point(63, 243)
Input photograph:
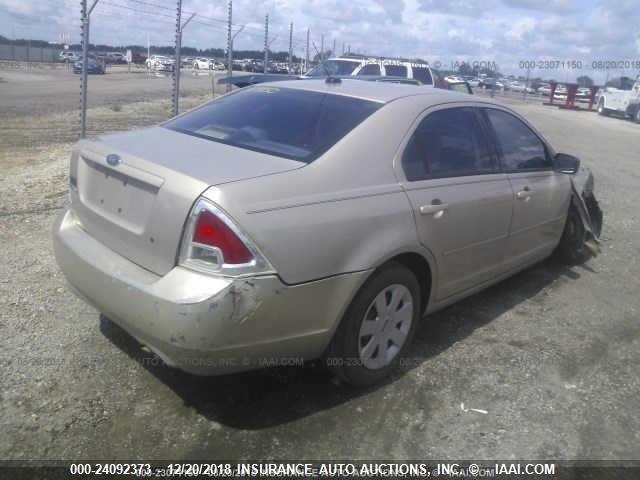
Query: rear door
point(541, 195)
point(462, 203)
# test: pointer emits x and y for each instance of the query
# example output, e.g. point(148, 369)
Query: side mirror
point(565, 163)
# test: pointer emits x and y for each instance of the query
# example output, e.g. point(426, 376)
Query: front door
point(541, 195)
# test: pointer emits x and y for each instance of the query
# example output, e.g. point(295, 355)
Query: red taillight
point(212, 231)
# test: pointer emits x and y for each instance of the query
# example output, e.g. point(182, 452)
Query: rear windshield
point(290, 123)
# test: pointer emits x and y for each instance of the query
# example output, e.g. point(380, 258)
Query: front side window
point(370, 69)
point(448, 143)
point(291, 123)
point(521, 148)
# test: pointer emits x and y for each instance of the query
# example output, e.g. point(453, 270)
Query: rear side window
point(448, 143)
point(370, 69)
point(296, 124)
point(521, 149)
point(423, 74)
point(333, 67)
point(396, 70)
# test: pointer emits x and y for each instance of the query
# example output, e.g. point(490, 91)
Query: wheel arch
point(632, 110)
point(420, 263)
point(420, 267)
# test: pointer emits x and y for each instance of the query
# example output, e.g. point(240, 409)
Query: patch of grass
point(116, 107)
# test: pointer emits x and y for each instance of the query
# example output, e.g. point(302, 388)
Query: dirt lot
point(552, 354)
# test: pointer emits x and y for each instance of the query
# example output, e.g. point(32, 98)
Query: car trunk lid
point(133, 191)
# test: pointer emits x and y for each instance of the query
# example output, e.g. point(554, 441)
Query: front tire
point(572, 249)
point(377, 328)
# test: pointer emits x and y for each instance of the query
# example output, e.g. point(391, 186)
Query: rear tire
point(377, 328)
point(601, 110)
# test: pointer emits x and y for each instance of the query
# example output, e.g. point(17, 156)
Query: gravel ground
point(552, 354)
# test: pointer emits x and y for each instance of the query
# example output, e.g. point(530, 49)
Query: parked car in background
point(69, 56)
point(625, 102)
point(583, 94)
point(138, 58)
point(101, 57)
point(276, 238)
point(94, 65)
point(560, 92)
point(521, 87)
point(544, 89)
point(490, 83)
point(160, 63)
point(202, 63)
point(116, 57)
point(251, 65)
point(216, 65)
point(278, 67)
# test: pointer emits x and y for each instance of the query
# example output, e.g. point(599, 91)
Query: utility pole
point(266, 42)
point(176, 68)
point(176, 65)
point(342, 48)
point(84, 18)
point(290, 46)
point(333, 50)
point(306, 65)
point(322, 48)
point(229, 53)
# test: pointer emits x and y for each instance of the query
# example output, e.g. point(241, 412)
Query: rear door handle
point(435, 209)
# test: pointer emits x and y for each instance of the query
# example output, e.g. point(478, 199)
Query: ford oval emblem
point(113, 159)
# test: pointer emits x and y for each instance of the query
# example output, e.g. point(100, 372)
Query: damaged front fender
point(584, 201)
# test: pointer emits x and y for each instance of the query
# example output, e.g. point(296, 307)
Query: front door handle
point(436, 208)
point(524, 194)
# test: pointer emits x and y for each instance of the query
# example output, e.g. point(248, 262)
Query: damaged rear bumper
point(200, 323)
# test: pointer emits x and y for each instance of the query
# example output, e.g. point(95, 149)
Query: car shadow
point(265, 398)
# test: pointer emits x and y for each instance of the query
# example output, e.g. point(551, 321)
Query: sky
point(502, 32)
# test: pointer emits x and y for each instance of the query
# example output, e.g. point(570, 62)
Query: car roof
point(383, 92)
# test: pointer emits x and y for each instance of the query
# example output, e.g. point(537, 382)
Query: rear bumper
point(200, 323)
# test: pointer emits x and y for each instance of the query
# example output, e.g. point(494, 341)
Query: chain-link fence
point(28, 53)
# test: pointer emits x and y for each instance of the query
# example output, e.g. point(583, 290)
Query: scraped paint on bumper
point(200, 323)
